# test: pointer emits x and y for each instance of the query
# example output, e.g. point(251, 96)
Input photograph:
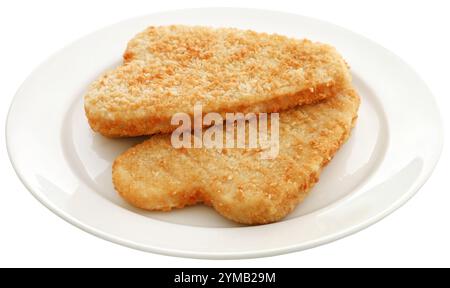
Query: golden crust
point(168, 69)
point(236, 182)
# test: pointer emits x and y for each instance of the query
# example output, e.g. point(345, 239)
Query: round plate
point(392, 151)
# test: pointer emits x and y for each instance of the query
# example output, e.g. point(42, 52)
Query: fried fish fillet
point(168, 69)
point(237, 182)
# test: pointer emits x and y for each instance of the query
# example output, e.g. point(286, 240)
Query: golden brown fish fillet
point(237, 182)
point(168, 69)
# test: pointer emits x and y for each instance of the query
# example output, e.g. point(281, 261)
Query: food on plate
point(169, 69)
point(237, 182)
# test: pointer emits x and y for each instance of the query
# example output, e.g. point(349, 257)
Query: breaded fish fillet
point(168, 69)
point(237, 182)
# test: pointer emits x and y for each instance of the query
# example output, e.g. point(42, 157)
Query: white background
point(418, 234)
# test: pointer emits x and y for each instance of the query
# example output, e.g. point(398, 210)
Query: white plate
point(393, 149)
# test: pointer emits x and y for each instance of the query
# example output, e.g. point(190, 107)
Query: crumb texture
point(168, 69)
point(237, 182)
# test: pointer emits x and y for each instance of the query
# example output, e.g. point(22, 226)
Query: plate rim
point(413, 190)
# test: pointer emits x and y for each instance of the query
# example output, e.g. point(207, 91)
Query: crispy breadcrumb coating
point(237, 182)
point(168, 69)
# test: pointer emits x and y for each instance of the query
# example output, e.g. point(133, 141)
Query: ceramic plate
point(392, 151)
